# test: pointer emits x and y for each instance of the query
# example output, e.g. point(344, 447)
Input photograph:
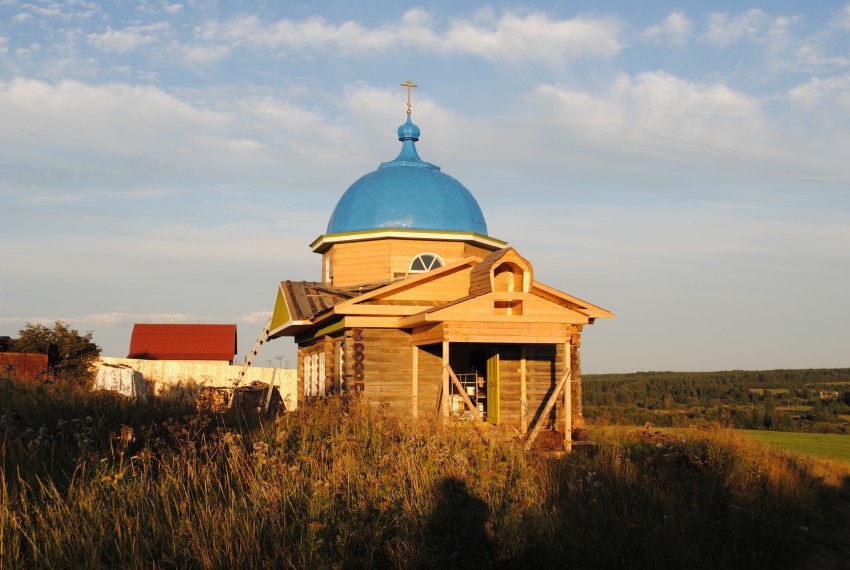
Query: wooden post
point(541, 419)
point(568, 401)
point(271, 389)
point(415, 383)
point(445, 401)
point(523, 395)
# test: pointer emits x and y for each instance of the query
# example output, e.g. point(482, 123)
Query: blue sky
point(682, 164)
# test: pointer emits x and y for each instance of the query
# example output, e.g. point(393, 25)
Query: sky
point(683, 164)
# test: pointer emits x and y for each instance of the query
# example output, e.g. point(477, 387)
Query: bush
point(69, 354)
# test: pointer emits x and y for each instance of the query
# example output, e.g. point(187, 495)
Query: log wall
point(388, 368)
point(385, 374)
point(371, 261)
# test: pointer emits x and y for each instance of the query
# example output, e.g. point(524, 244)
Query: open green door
point(493, 389)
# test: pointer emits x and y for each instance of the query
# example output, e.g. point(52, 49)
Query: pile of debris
point(251, 399)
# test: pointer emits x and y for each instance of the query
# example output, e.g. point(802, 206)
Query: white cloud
point(810, 56)
point(98, 319)
point(512, 36)
point(202, 55)
point(656, 110)
point(723, 29)
point(39, 113)
point(843, 20)
point(675, 29)
point(128, 39)
point(823, 95)
point(754, 26)
point(533, 36)
point(255, 317)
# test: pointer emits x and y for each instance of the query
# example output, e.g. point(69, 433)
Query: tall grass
point(91, 482)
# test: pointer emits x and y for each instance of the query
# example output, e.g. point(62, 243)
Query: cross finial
point(409, 86)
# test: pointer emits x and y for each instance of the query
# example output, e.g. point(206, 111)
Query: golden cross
point(409, 85)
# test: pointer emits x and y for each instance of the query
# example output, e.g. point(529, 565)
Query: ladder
point(264, 336)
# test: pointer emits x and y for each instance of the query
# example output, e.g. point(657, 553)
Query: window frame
point(436, 263)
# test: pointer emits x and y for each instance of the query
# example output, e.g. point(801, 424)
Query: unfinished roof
point(298, 302)
point(183, 342)
point(307, 299)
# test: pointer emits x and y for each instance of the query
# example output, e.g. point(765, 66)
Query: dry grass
point(112, 484)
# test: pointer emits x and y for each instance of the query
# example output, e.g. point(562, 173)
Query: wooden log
point(568, 402)
point(542, 418)
point(445, 383)
point(414, 381)
point(462, 391)
point(523, 394)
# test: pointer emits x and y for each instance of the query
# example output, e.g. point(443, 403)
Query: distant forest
point(812, 400)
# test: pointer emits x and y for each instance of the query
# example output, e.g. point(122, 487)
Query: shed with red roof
point(183, 342)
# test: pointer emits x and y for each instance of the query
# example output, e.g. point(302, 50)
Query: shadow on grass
point(456, 533)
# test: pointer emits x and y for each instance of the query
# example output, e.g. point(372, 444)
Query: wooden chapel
point(420, 310)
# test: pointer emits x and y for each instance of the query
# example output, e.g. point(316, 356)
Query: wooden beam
point(549, 404)
point(387, 322)
point(379, 310)
point(445, 402)
point(568, 401)
point(415, 382)
point(439, 407)
point(523, 394)
point(462, 391)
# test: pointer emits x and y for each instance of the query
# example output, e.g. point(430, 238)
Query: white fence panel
point(163, 375)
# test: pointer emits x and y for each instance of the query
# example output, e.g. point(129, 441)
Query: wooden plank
point(396, 310)
point(371, 322)
point(428, 334)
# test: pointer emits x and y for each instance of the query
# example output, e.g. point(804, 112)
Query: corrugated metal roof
point(22, 365)
point(183, 342)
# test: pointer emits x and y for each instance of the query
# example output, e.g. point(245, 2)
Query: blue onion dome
point(407, 193)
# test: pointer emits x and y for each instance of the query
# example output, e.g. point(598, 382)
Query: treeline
point(785, 400)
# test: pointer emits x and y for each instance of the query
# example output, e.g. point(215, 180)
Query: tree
point(69, 353)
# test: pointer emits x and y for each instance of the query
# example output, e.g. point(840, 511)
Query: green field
point(825, 445)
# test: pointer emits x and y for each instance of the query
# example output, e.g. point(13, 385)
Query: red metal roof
point(183, 342)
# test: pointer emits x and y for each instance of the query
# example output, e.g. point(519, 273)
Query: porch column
point(568, 401)
point(445, 400)
point(523, 395)
point(415, 383)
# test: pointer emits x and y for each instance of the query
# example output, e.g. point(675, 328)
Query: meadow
point(824, 445)
point(91, 481)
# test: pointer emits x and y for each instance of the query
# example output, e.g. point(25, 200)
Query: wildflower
point(261, 447)
point(230, 438)
point(126, 435)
